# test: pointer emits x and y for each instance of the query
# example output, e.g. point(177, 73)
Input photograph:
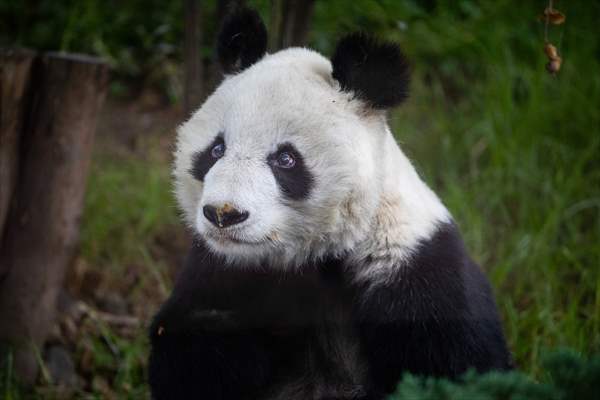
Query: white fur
point(367, 198)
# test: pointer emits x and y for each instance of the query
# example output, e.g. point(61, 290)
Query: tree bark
point(275, 24)
point(192, 56)
point(15, 67)
point(293, 22)
point(43, 224)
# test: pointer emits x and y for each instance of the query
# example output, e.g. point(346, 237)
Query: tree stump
point(15, 67)
point(43, 225)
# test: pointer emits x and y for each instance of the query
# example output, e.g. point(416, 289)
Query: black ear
point(377, 72)
point(242, 40)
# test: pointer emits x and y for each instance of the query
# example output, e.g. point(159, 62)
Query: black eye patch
point(203, 161)
point(295, 183)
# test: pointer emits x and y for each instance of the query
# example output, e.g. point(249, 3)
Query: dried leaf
point(550, 51)
point(554, 65)
point(555, 17)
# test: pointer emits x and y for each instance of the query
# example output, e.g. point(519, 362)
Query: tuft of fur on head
point(376, 72)
point(242, 40)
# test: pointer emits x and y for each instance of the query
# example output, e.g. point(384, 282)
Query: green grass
point(128, 201)
point(128, 206)
point(567, 375)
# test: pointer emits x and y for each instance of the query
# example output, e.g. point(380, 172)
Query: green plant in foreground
point(566, 376)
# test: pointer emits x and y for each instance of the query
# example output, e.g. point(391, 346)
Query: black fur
point(203, 161)
point(295, 183)
point(242, 40)
point(376, 72)
point(250, 333)
point(436, 317)
point(259, 337)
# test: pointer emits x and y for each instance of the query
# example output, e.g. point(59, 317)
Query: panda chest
point(281, 303)
point(315, 344)
point(305, 321)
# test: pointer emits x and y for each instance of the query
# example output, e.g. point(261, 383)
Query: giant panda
point(322, 266)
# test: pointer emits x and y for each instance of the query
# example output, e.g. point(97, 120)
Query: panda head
point(283, 162)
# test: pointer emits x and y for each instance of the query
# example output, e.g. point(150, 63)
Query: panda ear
point(242, 40)
point(377, 72)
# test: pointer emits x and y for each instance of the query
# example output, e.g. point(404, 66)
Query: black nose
point(224, 216)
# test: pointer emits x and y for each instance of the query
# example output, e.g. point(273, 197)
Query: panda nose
point(224, 216)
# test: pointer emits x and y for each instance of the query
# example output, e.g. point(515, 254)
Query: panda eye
point(218, 151)
point(285, 160)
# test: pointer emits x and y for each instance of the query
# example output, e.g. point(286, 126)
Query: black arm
point(436, 316)
point(198, 345)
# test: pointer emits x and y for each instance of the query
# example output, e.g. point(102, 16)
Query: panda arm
point(216, 365)
point(436, 316)
point(198, 348)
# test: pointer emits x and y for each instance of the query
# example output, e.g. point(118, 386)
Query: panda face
point(279, 164)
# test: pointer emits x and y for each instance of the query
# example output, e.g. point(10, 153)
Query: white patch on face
point(357, 169)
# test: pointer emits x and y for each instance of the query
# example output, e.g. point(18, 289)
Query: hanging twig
point(554, 17)
point(547, 17)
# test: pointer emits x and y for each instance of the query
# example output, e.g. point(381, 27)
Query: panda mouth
point(225, 238)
